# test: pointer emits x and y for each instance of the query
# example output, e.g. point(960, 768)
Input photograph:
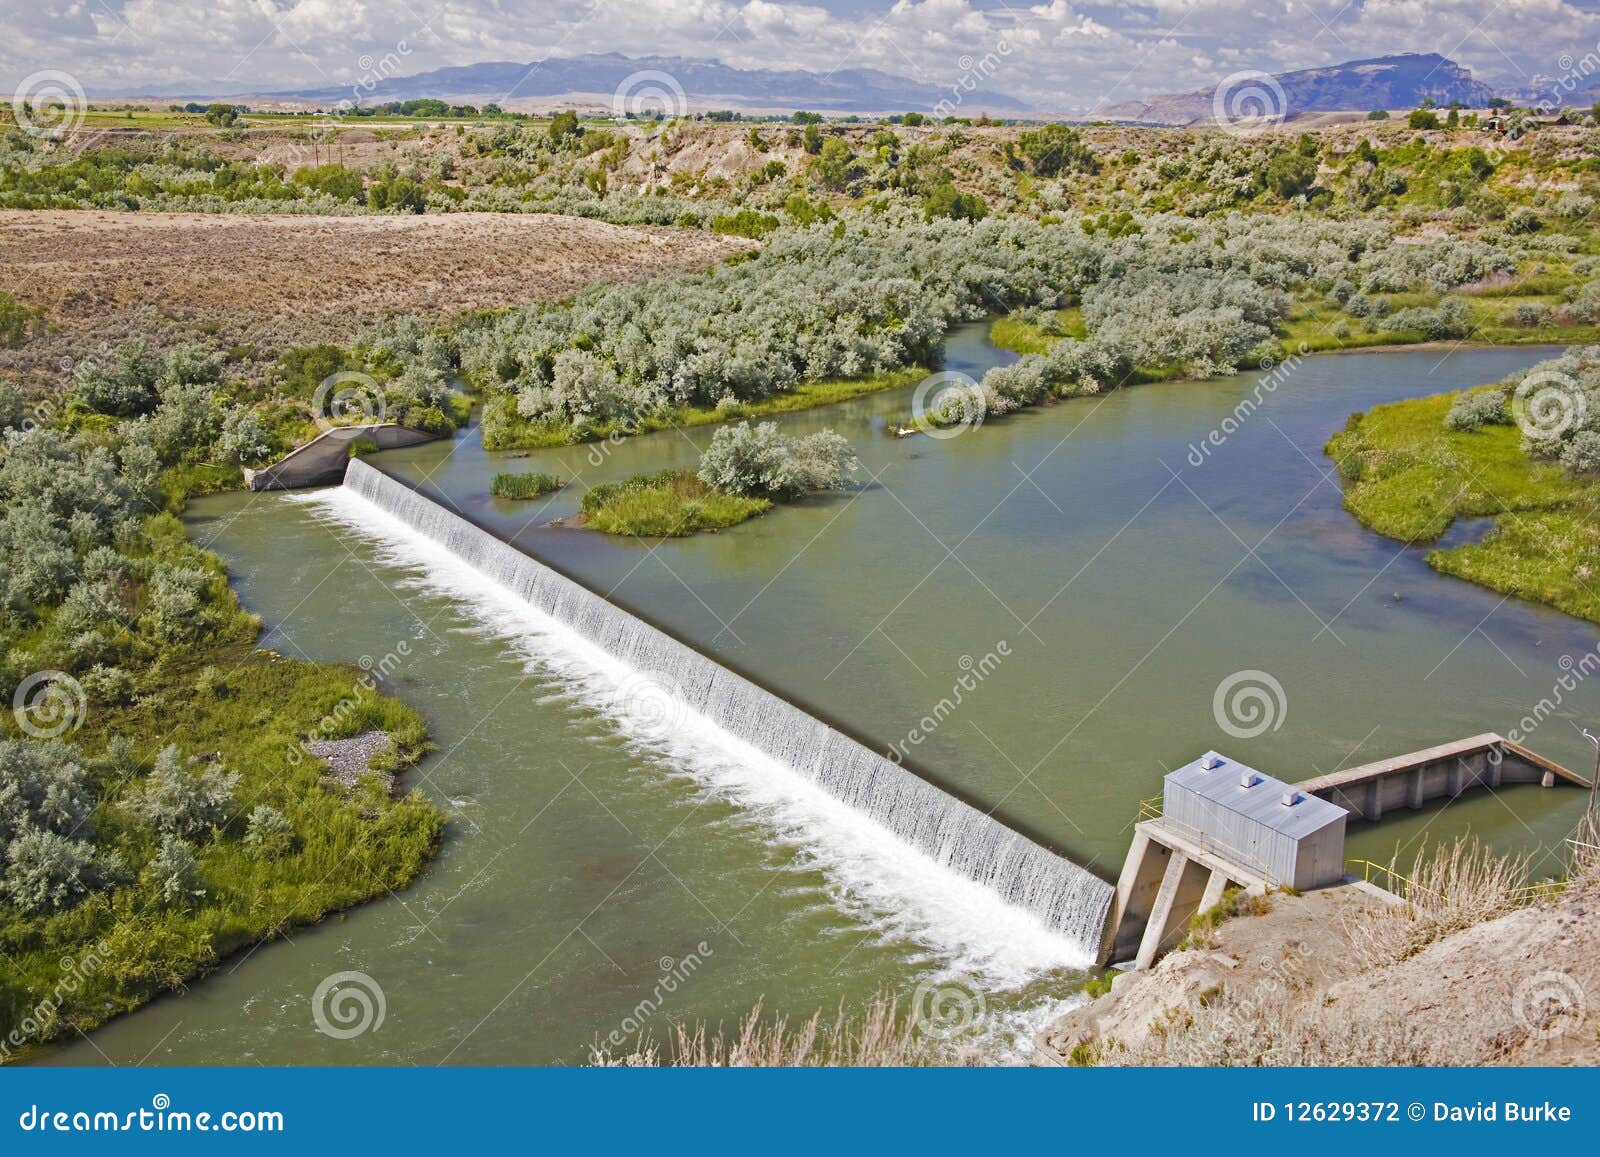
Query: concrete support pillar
point(1496, 767)
point(1373, 809)
point(1414, 796)
point(1454, 778)
point(1182, 885)
point(1135, 897)
point(1215, 886)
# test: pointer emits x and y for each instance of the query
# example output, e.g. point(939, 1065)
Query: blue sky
point(1058, 54)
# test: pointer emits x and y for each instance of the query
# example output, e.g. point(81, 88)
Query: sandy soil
point(68, 261)
point(1523, 988)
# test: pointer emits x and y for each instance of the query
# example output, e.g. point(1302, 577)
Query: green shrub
point(1477, 408)
point(520, 485)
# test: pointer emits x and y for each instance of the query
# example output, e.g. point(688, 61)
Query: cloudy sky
point(1062, 54)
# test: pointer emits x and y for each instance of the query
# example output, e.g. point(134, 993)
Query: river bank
point(1345, 976)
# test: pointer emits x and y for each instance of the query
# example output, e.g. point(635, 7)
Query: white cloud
point(1065, 54)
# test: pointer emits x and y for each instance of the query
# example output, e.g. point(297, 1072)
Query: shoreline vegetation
point(741, 475)
point(162, 805)
point(1409, 475)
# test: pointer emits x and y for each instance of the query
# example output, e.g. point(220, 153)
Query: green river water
point(1103, 583)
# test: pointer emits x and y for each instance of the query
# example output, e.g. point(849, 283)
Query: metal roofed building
point(1285, 834)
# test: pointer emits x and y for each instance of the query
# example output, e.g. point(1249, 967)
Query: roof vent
point(1292, 797)
point(1249, 779)
point(1210, 761)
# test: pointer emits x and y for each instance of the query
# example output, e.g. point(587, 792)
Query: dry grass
point(1464, 884)
point(879, 1038)
point(303, 278)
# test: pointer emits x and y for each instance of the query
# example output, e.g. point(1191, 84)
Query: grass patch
point(524, 484)
point(1023, 337)
point(253, 708)
point(1409, 478)
point(669, 504)
point(505, 429)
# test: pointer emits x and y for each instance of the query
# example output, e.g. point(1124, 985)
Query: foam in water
point(900, 844)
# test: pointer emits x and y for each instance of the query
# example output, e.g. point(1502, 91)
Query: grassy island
point(1408, 476)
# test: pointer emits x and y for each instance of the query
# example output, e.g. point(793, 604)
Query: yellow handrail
point(1150, 809)
point(1523, 893)
point(1368, 868)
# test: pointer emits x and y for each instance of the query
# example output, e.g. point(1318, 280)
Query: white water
point(917, 862)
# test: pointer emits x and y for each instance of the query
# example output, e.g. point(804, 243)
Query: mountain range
point(705, 85)
point(1402, 81)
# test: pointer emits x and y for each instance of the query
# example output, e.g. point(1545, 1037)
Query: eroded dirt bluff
point(1299, 984)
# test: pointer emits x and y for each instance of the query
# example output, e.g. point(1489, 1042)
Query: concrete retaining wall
point(321, 461)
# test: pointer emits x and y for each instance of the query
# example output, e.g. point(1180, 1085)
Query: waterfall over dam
point(1061, 895)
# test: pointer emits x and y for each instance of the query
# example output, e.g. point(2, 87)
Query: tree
point(1056, 149)
point(835, 164)
point(564, 126)
point(1290, 174)
point(1423, 118)
point(812, 139)
point(801, 117)
point(397, 193)
point(914, 119)
point(1378, 114)
point(945, 200)
point(221, 115)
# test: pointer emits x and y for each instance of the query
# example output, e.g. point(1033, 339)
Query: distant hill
point(1386, 82)
point(706, 85)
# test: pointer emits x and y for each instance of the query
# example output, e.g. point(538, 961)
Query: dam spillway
point(674, 677)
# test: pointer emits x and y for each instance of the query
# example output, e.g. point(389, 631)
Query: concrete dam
point(1016, 871)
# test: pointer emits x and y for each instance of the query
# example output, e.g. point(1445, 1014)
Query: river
point(1080, 577)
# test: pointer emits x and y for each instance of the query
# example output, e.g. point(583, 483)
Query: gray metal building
point(1261, 823)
